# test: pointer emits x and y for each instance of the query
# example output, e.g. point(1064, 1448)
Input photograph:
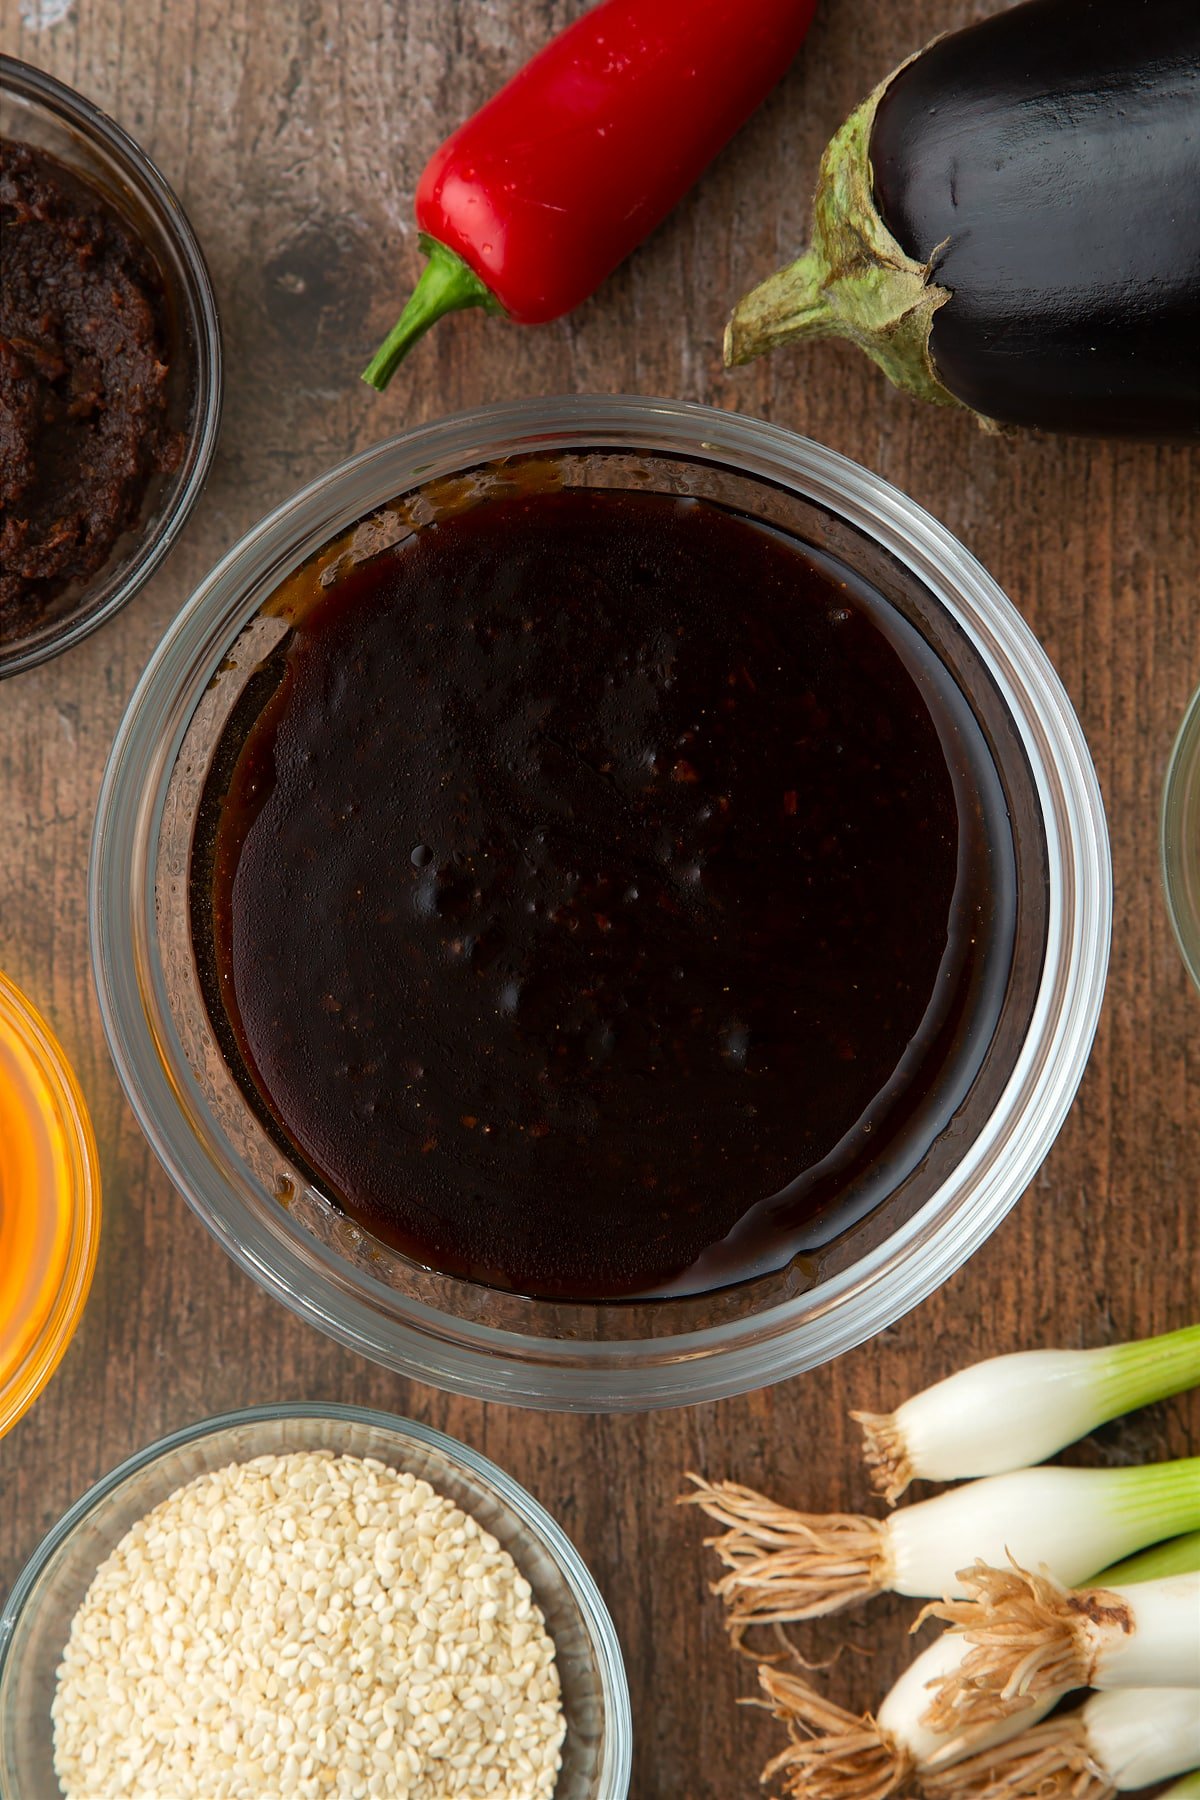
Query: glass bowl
point(1180, 837)
point(36, 1621)
point(41, 111)
point(49, 1204)
point(471, 1338)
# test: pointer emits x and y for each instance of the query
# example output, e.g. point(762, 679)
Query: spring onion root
point(784, 1566)
point(1028, 1637)
point(1012, 1411)
point(833, 1754)
point(1126, 1739)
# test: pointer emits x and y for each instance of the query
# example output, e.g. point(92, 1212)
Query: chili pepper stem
point(446, 285)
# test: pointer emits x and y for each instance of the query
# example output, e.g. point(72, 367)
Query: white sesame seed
point(416, 1666)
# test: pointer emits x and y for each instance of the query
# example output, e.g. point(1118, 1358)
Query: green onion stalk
point(1186, 1788)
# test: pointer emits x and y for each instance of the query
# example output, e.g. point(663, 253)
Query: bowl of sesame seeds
point(313, 1601)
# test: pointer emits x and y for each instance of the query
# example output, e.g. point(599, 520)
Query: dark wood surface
point(294, 131)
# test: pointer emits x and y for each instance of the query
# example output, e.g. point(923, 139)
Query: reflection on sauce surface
point(610, 885)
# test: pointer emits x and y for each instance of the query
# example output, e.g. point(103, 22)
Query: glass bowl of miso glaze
point(600, 903)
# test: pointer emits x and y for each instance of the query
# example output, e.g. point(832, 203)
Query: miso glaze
point(603, 866)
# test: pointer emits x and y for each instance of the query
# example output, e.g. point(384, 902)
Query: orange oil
point(38, 1194)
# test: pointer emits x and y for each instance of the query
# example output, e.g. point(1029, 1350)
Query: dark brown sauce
point(611, 887)
point(83, 373)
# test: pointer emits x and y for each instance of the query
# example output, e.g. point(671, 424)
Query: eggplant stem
point(854, 280)
point(790, 304)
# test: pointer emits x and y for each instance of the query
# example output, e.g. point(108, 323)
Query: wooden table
point(294, 131)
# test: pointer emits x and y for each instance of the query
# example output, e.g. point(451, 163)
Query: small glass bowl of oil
point(49, 1204)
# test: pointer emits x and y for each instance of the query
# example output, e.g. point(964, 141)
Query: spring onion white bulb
point(838, 1755)
point(1012, 1411)
point(1027, 1637)
point(784, 1565)
point(1130, 1738)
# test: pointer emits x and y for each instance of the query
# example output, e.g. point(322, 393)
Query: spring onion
point(1012, 1411)
point(838, 1755)
point(784, 1565)
point(1029, 1637)
point(1126, 1739)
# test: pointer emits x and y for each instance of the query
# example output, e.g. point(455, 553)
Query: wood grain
point(294, 131)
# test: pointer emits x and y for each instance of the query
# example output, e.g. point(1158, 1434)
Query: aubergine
point(1011, 223)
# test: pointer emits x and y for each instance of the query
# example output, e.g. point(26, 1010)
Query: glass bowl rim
point(27, 82)
point(533, 1517)
point(1183, 765)
point(38, 1365)
point(720, 1360)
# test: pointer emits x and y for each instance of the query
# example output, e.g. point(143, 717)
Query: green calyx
point(854, 280)
point(446, 285)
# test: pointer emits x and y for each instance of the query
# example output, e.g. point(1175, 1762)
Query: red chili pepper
point(529, 205)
